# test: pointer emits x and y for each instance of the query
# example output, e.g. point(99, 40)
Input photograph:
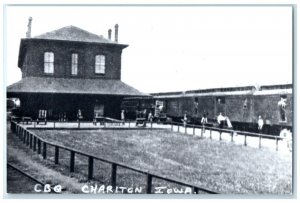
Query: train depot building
point(70, 69)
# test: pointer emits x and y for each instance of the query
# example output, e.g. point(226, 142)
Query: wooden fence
point(39, 145)
point(78, 124)
point(232, 132)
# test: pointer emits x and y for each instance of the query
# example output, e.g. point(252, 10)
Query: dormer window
point(100, 64)
point(74, 70)
point(49, 62)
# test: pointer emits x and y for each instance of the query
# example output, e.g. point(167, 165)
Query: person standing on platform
point(79, 115)
point(184, 120)
point(204, 119)
point(221, 120)
point(260, 123)
point(150, 117)
point(123, 117)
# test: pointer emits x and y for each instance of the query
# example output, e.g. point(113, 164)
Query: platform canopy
point(73, 86)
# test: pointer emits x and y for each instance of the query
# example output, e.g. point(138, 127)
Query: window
point(74, 70)
point(49, 62)
point(100, 64)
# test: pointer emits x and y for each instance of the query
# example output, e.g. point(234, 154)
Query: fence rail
point(54, 124)
point(224, 130)
point(26, 135)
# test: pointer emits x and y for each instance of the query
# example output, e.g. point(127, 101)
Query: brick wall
point(33, 64)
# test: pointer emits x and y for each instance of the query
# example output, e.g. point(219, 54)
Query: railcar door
point(98, 110)
point(220, 106)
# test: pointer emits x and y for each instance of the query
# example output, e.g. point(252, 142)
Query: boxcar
point(242, 105)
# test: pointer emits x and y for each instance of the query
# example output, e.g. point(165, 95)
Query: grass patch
point(211, 164)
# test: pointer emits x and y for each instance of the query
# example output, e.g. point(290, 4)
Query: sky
point(174, 48)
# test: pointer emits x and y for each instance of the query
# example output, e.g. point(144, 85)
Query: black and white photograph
point(186, 100)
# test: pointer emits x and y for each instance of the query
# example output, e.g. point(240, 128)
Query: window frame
point(74, 64)
point(49, 59)
point(100, 64)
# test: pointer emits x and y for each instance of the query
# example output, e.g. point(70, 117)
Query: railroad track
point(19, 181)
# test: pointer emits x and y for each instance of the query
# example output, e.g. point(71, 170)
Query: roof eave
point(71, 41)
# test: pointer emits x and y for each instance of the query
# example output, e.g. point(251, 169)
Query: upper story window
point(100, 64)
point(49, 62)
point(74, 70)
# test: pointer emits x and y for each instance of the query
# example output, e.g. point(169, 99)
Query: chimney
point(109, 34)
point(116, 32)
point(28, 33)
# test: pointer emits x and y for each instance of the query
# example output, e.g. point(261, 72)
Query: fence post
point(232, 136)
point(24, 136)
point(193, 130)
point(20, 133)
point(172, 126)
point(185, 129)
point(195, 190)
point(11, 126)
point(72, 159)
point(178, 128)
point(91, 167)
point(210, 134)
point(220, 134)
point(149, 183)
point(245, 142)
point(44, 150)
point(39, 146)
point(56, 154)
point(30, 141)
point(113, 180)
point(27, 138)
point(34, 143)
point(259, 140)
point(276, 143)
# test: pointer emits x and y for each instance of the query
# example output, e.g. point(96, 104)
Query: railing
point(54, 124)
point(39, 145)
point(221, 130)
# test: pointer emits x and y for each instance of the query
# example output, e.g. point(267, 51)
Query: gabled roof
point(67, 34)
point(72, 33)
point(73, 86)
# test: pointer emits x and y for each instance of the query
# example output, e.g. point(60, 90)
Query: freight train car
point(134, 106)
point(242, 105)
